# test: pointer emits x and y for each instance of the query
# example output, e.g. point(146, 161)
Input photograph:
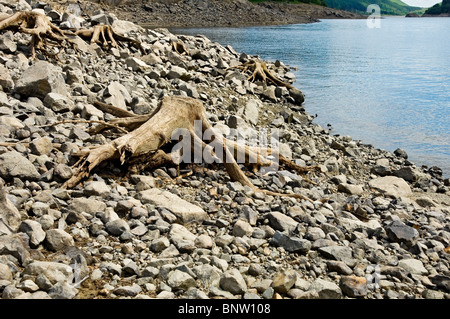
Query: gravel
point(370, 232)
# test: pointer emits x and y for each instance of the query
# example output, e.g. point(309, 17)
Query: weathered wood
point(146, 141)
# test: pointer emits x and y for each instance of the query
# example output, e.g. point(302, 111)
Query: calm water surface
point(387, 86)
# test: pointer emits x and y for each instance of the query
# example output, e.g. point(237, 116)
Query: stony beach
point(377, 225)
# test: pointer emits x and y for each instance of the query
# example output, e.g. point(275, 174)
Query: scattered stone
point(58, 240)
point(58, 102)
point(242, 228)
point(391, 186)
point(353, 286)
point(383, 234)
point(53, 271)
point(128, 291)
point(400, 232)
point(326, 289)
point(232, 281)
point(34, 231)
point(178, 279)
point(185, 211)
point(284, 281)
point(117, 227)
point(13, 164)
point(40, 79)
point(291, 244)
point(413, 266)
point(282, 222)
point(9, 214)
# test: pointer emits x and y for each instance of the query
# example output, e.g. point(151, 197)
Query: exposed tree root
point(259, 71)
point(142, 147)
point(44, 33)
point(106, 36)
point(179, 47)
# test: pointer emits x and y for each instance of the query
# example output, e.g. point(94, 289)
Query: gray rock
point(63, 290)
point(11, 292)
point(284, 280)
point(282, 222)
point(41, 146)
point(351, 189)
point(297, 95)
point(58, 102)
point(6, 81)
point(185, 211)
point(341, 253)
point(117, 95)
point(15, 245)
point(5, 272)
point(53, 271)
point(177, 72)
point(251, 112)
point(97, 188)
point(102, 18)
point(34, 231)
point(71, 21)
point(178, 279)
point(13, 164)
point(10, 217)
point(40, 79)
point(232, 281)
point(326, 289)
point(7, 42)
point(182, 238)
point(391, 186)
point(400, 232)
point(58, 240)
point(117, 227)
point(62, 172)
point(28, 285)
point(339, 266)
point(291, 244)
point(407, 173)
point(269, 93)
point(43, 282)
point(111, 268)
point(208, 275)
point(137, 65)
point(129, 291)
point(441, 281)
point(242, 228)
point(353, 286)
point(159, 244)
point(413, 266)
point(87, 205)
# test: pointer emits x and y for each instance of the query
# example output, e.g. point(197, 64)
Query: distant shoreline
point(189, 14)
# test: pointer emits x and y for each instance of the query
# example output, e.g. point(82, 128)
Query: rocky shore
point(377, 226)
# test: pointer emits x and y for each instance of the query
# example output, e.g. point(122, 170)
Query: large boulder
point(391, 186)
point(9, 215)
point(185, 211)
point(40, 79)
point(13, 164)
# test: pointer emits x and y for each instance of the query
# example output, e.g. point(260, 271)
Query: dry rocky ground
point(377, 226)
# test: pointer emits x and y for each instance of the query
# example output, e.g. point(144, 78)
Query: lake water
point(387, 86)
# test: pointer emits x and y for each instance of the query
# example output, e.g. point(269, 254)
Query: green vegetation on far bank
point(388, 7)
point(438, 8)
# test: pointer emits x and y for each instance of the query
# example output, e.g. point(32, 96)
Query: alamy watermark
point(373, 276)
point(374, 19)
point(210, 146)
